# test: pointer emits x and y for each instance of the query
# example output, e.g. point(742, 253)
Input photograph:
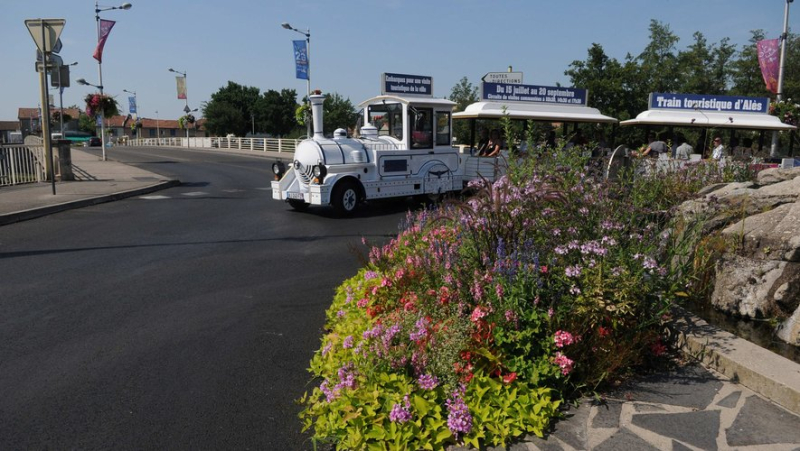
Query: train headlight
point(279, 169)
point(320, 171)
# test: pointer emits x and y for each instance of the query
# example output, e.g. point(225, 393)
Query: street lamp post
point(136, 103)
point(774, 148)
point(307, 34)
point(186, 98)
point(97, 11)
point(158, 130)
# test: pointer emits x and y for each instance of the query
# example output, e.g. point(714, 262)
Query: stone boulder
point(759, 277)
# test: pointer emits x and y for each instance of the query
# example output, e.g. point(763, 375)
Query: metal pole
point(774, 149)
point(45, 116)
point(100, 74)
point(158, 131)
point(308, 79)
point(61, 106)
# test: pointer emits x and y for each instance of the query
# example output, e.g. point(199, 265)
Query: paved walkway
point(742, 397)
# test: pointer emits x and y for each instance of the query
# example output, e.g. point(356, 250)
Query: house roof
point(33, 113)
point(9, 126)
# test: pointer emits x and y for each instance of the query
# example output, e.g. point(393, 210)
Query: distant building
point(6, 128)
point(29, 123)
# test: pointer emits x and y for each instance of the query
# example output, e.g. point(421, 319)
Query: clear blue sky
point(352, 42)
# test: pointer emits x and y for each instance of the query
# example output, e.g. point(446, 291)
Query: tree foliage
point(275, 112)
point(338, 112)
point(463, 94)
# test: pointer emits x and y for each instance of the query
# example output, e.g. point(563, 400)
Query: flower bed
point(482, 317)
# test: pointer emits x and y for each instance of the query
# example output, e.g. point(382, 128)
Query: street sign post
point(45, 34)
point(503, 77)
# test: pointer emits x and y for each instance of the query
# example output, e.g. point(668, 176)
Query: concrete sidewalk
point(96, 181)
point(742, 397)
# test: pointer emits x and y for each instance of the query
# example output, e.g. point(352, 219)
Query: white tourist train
point(404, 149)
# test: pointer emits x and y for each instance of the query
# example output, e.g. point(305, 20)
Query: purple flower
point(459, 421)
point(401, 412)
point(369, 275)
point(572, 271)
point(348, 342)
point(421, 330)
point(427, 381)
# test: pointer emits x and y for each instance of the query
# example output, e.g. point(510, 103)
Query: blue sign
point(403, 84)
point(706, 102)
point(301, 60)
point(132, 105)
point(506, 92)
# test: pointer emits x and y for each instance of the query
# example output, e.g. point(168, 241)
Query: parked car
point(94, 141)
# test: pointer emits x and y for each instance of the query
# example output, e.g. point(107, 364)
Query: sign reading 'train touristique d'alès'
point(705, 102)
point(503, 92)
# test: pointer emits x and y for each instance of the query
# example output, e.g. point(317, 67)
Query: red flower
point(509, 378)
point(603, 332)
point(658, 348)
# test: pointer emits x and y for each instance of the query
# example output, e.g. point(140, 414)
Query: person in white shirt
point(719, 149)
point(683, 151)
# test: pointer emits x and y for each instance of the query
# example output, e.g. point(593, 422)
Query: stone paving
point(690, 408)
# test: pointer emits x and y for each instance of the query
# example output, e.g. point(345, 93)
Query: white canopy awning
point(697, 118)
point(431, 101)
point(534, 111)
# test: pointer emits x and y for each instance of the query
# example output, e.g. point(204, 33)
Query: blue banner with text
point(706, 102)
point(402, 84)
point(301, 59)
point(505, 92)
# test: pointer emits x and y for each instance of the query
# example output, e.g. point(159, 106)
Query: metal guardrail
point(20, 163)
point(246, 144)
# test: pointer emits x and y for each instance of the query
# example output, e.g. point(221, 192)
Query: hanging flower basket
point(787, 111)
point(185, 121)
point(95, 103)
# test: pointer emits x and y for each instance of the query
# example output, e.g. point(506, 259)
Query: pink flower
point(563, 338)
point(564, 362)
point(477, 314)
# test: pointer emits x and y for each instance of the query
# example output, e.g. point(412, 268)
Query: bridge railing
point(21, 163)
point(246, 144)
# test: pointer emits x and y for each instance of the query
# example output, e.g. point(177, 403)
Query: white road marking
point(232, 190)
point(154, 197)
point(195, 193)
point(269, 188)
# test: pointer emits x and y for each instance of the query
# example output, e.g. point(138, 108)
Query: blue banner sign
point(132, 105)
point(505, 92)
point(301, 60)
point(402, 84)
point(705, 102)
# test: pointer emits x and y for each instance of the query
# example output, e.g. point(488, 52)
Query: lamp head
point(286, 25)
point(125, 6)
point(82, 81)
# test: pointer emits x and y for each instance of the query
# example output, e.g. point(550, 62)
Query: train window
point(442, 128)
point(422, 128)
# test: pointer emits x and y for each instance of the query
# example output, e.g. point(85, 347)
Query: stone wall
point(759, 277)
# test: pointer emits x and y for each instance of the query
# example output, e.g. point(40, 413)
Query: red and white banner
point(181, 81)
point(769, 60)
point(105, 29)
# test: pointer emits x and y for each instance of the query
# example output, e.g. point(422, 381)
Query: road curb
point(766, 373)
point(25, 215)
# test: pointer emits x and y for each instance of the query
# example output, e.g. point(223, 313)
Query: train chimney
point(316, 114)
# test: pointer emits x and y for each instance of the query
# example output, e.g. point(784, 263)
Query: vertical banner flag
point(105, 29)
point(768, 59)
point(181, 87)
point(132, 105)
point(301, 59)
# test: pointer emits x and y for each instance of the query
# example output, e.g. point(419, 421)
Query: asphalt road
point(184, 319)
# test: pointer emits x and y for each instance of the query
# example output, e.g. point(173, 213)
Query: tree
point(338, 112)
point(86, 124)
point(463, 94)
point(230, 109)
point(274, 112)
point(658, 64)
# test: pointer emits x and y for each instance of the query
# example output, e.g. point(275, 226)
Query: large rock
point(759, 277)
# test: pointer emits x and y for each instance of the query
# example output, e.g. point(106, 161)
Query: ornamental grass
point(484, 315)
